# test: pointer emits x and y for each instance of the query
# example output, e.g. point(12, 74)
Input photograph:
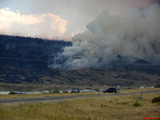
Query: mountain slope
point(27, 52)
point(25, 60)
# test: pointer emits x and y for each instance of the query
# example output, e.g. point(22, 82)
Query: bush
point(56, 91)
point(156, 99)
point(12, 92)
point(137, 104)
point(65, 91)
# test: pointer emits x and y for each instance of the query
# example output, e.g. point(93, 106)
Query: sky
point(57, 19)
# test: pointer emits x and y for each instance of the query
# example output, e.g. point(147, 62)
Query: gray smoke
point(133, 34)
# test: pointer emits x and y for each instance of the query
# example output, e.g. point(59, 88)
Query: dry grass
point(97, 108)
point(43, 95)
point(70, 94)
point(138, 90)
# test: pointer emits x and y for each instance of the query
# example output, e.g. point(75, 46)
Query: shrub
point(12, 92)
point(56, 91)
point(102, 105)
point(156, 99)
point(137, 104)
point(65, 91)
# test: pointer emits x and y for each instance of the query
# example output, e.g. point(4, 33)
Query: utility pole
point(98, 92)
point(141, 94)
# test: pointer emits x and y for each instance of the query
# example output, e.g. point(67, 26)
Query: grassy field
point(96, 108)
point(16, 96)
point(70, 94)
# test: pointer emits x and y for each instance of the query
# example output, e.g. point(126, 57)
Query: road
point(42, 99)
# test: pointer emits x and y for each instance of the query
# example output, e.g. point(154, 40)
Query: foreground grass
point(97, 108)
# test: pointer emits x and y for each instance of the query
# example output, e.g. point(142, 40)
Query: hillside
point(29, 52)
point(25, 60)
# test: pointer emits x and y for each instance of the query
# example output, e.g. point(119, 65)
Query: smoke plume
point(133, 34)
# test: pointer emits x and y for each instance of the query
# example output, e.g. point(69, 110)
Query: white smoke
point(133, 34)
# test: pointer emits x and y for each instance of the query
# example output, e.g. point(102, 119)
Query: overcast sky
point(60, 19)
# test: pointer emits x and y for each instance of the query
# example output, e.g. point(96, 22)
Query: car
point(110, 90)
point(75, 90)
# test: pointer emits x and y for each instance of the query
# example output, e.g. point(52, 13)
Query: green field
point(93, 108)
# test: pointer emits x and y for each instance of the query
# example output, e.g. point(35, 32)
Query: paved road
point(41, 99)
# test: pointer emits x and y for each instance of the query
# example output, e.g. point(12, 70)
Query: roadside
point(69, 96)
